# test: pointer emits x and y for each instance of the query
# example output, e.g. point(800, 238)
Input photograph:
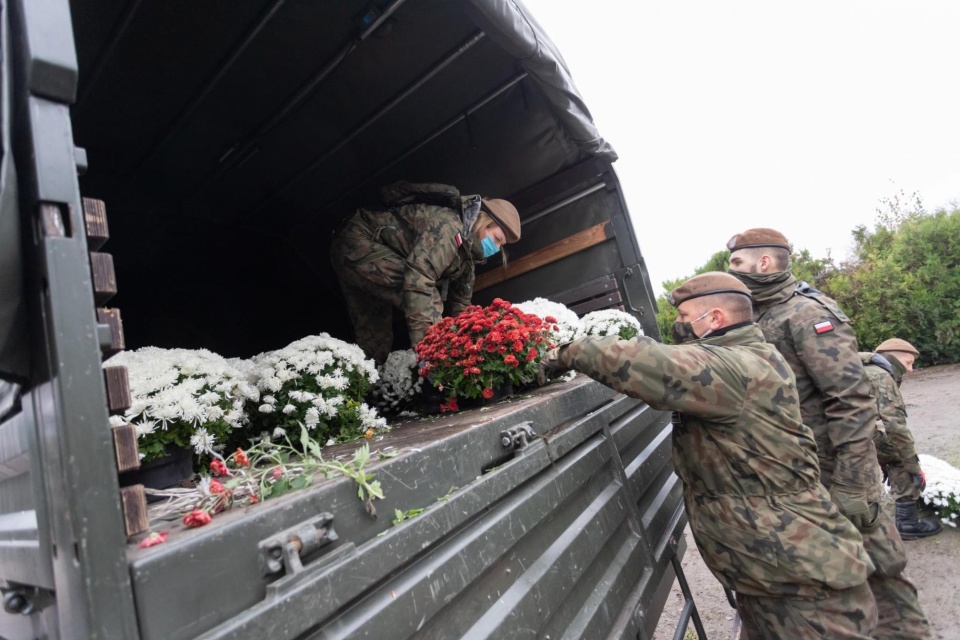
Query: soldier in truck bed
point(762, 521)
point(814, 337)
point(416, 254)
point(895, 448)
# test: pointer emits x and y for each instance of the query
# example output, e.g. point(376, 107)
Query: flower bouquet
point(482, 349)
point(399, 384)
point(183, 398)
point(942, 492)
point(611, 322)
point(566, 326)
point(318, 382)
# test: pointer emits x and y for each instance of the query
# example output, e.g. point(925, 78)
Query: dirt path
point(933, 403)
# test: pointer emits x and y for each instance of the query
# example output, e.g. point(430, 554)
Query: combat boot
point(910, 526)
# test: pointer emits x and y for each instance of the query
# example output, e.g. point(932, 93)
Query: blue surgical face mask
point(489, 247)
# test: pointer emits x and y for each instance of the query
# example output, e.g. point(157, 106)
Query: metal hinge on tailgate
point(285, 550)
point(518, 436)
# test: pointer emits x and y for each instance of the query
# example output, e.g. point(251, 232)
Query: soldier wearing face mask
point(762, 521)
point(417, 254)
point(815, 338)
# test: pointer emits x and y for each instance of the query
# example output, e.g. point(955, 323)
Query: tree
point(905, 283)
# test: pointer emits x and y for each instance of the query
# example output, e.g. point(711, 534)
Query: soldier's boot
point(910, 526)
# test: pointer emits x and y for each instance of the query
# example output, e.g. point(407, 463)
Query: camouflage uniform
point(896, 451)
point(814, 337)
point(764, 524)
point(415, 255)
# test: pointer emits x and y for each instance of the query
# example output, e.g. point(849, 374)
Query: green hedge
point(905, 283)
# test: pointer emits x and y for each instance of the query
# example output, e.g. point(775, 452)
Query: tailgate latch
point(287, 549)
point(517, 437)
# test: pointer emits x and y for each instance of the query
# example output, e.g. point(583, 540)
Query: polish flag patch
point(823, 327)
point(459, 240)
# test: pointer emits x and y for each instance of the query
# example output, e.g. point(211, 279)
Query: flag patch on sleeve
point(459, 240)
point(823, 327)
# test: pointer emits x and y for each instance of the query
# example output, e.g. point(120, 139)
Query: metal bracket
point(628, 273)
point(285, 550)
point(25, 600)
point(517, 437)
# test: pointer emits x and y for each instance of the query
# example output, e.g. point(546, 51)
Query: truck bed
point(567, 528)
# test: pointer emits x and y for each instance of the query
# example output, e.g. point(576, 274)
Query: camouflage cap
point(896, 344)
point(505, 215)
point(758, 238)
point(706, 284)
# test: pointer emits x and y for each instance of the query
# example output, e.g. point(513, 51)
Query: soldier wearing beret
point(814, 337)
point(417, 254)
point(762, 521)
point(895, 448)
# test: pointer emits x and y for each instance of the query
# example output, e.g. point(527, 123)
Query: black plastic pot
point(164, 472)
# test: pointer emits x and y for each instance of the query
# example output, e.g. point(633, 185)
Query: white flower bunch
point(399, 382)
point(611, 322)
point(319, 382)
point(943, 488)
point(568, 324)
point(183, 397)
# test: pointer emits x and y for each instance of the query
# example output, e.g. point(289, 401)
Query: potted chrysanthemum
point(399, 385)
point(318, 382)
point(186, 404)
point(611, 322)
point(483, 352)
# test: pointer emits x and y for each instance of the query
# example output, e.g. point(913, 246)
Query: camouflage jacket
point(762, 521)
point(898, 444)
point(438, 250)
point(816, 340)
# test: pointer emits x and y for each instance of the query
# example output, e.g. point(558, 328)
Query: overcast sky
point(800, 116)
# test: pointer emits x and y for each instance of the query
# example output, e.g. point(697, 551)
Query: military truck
point(184, 163)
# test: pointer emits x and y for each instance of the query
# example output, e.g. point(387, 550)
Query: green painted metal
point(568, 534)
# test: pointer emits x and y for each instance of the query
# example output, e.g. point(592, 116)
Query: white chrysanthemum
point(269, 400)
point(370, 419)
point(611, 322)
point(145, 427)
point(568, 324)
point(399, 382)
point(943, 488)
point(288, 409)
point(312, 417)
point(116, 421)
point(279, 433)
point(265, 408)
point(202, 441)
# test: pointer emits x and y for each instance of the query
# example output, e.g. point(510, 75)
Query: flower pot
point(499, 393)
point(164, 472)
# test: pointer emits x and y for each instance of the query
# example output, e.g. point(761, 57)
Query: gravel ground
point(932, 396)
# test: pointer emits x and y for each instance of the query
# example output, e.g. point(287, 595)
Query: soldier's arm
point(893, 413)
point(828, 350)
point(434, 249)
point(678, 378)
point(460, 292)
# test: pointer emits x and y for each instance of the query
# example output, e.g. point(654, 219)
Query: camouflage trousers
point(902, 486)
point(370, 276)
point(899, 611)
point(843, 614)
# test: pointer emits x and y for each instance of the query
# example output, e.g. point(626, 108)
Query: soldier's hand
point(853, 504)
point(549, 367)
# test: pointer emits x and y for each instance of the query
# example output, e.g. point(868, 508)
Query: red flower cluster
point(218, 468)
point(482, 348)
point(197, 518)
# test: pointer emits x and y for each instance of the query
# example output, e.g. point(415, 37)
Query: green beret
point(896, 344)
point(758, 238)
point(707, 284)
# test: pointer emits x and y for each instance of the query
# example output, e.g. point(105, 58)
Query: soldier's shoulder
point(805, 291)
